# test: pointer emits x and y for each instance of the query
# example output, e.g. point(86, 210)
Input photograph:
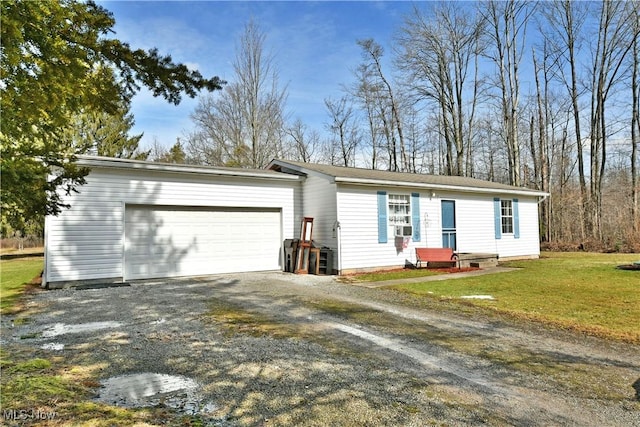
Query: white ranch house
point(141, 220)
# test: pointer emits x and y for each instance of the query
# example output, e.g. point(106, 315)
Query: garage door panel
point(175, 241)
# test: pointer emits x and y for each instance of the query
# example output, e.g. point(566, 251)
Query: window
point(506, 216)
point(400, 214)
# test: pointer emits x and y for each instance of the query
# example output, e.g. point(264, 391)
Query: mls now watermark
point(28, 414)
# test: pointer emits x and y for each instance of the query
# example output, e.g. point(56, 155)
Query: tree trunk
point(635, 126)
point(571, 41)
point(507, 21)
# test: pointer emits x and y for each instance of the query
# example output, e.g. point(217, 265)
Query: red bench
point(436, 255)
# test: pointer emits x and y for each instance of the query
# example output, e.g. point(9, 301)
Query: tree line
point(543, 95)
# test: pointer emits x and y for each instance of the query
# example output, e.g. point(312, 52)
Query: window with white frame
point(400, 214)
point(506, 216)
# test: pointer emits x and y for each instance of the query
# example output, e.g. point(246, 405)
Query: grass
point(58, 393)
point(574, 376)
point(579, 291)
point(4, 250)
point(61, 395)
point(14, 274)
point(234, 320)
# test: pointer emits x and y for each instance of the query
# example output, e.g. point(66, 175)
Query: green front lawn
point(581, 291)
point(14, 274)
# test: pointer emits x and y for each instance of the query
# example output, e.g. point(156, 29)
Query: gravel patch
point(281, 349)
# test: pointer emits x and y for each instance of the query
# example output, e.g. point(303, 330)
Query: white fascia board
point(465, 189)
point(302, 170)
point(102, 162)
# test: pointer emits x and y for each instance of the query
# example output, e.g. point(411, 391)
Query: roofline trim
point(459, 188)
point(393, 183)
point(115, 163)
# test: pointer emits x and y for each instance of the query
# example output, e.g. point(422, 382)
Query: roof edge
point(299, 170)
point(399, 183)
point(143, 165)
point(458, 188)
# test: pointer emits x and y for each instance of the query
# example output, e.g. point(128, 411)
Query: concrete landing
point(479, 260)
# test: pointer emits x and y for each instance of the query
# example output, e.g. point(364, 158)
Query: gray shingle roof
point(117, 163)
point(370, 176)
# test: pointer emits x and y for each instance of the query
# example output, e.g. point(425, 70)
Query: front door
point(449, 224)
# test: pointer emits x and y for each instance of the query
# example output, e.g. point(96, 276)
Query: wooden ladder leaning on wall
point(304, 247)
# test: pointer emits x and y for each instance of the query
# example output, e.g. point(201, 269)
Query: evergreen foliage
point(57, 64)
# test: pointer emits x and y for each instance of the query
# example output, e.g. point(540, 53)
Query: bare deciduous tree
point(439, 57)
point(244, 124)
point(615, 32)
point(368, 92)
point(541, 150)
point(506, 24)
point(565, 21)
point(304, 143)
point(345, 131)
point(373, 52)
point(635, 118)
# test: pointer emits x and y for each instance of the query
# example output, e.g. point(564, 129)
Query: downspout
point(337, 232)
point(337, 228)
point(45, 269)
point(426, 229)
point(540, 200)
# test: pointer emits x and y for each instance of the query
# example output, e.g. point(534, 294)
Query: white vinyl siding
point(528, 241)
point(86, 241)
point(475, 230)
point(358, 216)
point(475, 226)
point(319, 203)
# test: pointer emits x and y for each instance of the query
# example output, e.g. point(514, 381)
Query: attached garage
point(141, 220)
point(168, 241)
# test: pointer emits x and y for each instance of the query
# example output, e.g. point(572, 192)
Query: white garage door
point(176, 241)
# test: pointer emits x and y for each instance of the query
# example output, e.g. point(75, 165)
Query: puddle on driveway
point(151, 389)
point(62, 329)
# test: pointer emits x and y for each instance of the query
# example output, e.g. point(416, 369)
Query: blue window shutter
point(496, 217)
point(516, 220)
point(415, 216)
point(382, 217)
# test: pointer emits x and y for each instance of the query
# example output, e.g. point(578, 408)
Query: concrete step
point(478, 260)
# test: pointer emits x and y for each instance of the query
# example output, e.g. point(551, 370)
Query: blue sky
point(313, 44)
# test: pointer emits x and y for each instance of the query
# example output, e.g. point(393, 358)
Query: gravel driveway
point(279, 349)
